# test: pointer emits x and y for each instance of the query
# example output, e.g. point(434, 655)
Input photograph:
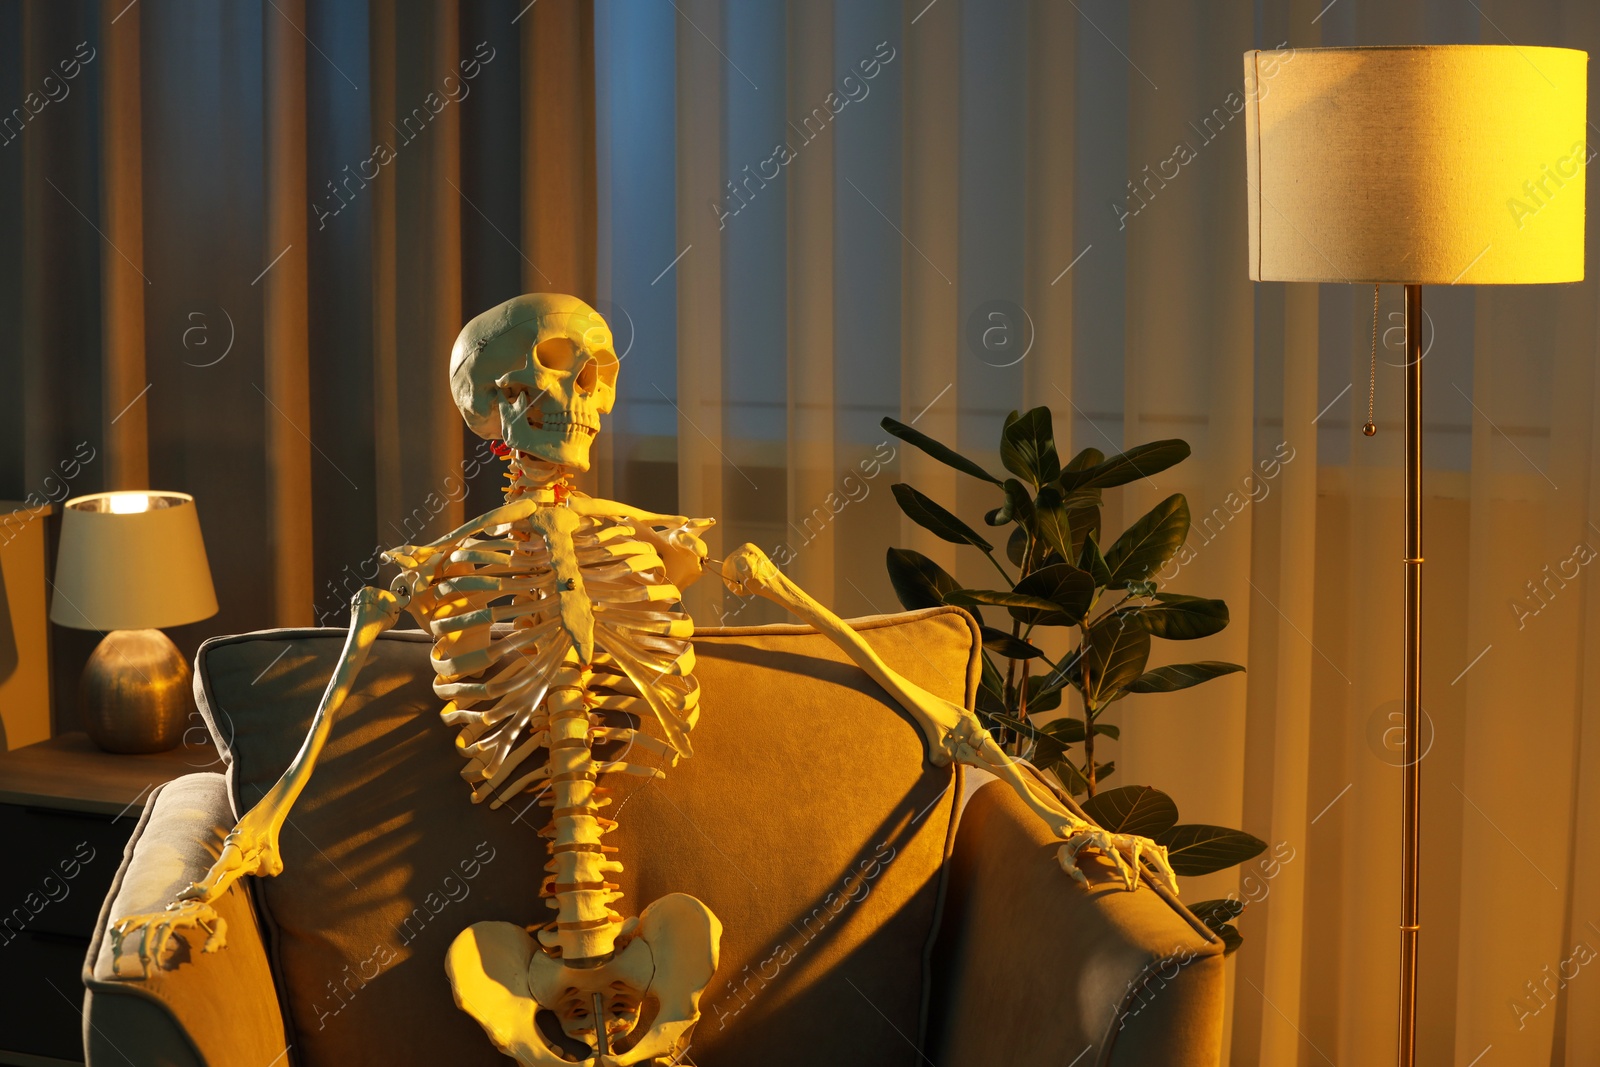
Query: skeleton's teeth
point(560, 420)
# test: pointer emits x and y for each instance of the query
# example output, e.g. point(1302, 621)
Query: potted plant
point(1108, 600)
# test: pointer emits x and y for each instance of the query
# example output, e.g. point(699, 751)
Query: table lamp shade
point(131, 561)
point(1418, 165)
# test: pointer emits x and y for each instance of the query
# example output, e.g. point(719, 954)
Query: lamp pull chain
point(1372, 374)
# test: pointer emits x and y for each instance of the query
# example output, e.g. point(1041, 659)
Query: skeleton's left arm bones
point(251, 847)
point(953, 732)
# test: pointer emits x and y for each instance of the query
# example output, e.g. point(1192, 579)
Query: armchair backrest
point(809, 820)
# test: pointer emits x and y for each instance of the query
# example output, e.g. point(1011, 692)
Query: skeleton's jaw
point(557, 436)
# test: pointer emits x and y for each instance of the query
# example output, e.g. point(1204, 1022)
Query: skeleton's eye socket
point(556, 353)
point(600, 367)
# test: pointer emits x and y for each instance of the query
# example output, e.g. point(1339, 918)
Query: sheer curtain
point(804, 210)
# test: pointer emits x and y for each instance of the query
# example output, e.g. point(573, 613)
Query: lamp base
point(134, 695)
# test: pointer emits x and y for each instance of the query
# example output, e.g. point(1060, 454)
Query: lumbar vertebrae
point(593, 642)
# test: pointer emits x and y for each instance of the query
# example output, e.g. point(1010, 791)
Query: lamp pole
point(1410, 824)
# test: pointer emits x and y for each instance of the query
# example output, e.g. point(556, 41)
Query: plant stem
point(1088, 746)
point(1011, 670)
point(1001, 569)
point(1088, 720)
point(1022, 694)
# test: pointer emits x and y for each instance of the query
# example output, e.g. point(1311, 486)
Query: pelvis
point(663, 961)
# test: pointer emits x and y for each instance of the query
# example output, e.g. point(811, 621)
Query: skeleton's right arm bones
point(953, 732)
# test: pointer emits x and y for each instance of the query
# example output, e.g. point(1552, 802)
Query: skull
point(536, 372)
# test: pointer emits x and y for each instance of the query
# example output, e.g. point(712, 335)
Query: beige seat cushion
point(808, 820)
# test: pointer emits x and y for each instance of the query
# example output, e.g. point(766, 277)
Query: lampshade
point(1419, 165)
point(131, 561)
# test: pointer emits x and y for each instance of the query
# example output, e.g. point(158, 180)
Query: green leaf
point(1085, 522)
point(1004, 644)
point(1113, 656)
point(1195, 848)
point(1113, 732)
point(991, 689)
point(1066, 730)
point(1028, 447)
point(1064, 672)
point(1232, 940)
point(1089, 457)
point(1050, 741)
point(1178, 617)
point(931, 515)
point(943, 453)
point(1133, 809)
point(1080, 498)
point(1181, 676)
point(1148, 544)
point(1016, 545)
point(1140, 461)
point(918, 581)
point(1051, 523)
point(1072, 778)
point(1215, 914)
point(989, 677)
point(1041, 699)
point(989, 704)
point(1017, 508)
point(1221, 910)
point(1090, 559)
point(1068, 590)
point(1005, 598)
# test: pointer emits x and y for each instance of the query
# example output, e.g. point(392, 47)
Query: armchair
point(877, 909)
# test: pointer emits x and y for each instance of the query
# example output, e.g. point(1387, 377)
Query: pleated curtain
point(239, 241)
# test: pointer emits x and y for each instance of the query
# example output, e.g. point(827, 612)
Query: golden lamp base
point(134, 695)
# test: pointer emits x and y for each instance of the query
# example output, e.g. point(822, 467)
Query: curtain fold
point(286, 389)
point(122, 279)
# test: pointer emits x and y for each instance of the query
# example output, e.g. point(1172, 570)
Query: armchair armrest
point(218, 1010)
point(1029, 967)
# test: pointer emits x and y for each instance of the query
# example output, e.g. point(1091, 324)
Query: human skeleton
point(586, 594)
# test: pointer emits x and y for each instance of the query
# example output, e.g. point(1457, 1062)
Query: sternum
point(577, 888)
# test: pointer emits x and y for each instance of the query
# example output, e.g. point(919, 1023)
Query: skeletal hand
point(971, 743)
point(250, 848)
point(155, 932)
point(1125, 850)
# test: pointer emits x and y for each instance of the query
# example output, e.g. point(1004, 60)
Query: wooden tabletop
point(69, 772)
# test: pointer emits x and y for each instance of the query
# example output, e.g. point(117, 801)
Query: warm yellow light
point(128, 503)
point(1440, 164)
point(131, 561)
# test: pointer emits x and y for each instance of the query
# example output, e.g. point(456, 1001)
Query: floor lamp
point(1415, 165)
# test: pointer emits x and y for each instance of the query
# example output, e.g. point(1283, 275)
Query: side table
point(67, 810)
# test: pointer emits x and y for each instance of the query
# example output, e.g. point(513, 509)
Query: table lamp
point(130, 563)
point(1415, 165)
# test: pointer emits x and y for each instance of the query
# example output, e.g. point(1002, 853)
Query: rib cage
point(497, 683)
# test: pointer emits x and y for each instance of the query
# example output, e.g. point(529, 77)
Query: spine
point(576, 887)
